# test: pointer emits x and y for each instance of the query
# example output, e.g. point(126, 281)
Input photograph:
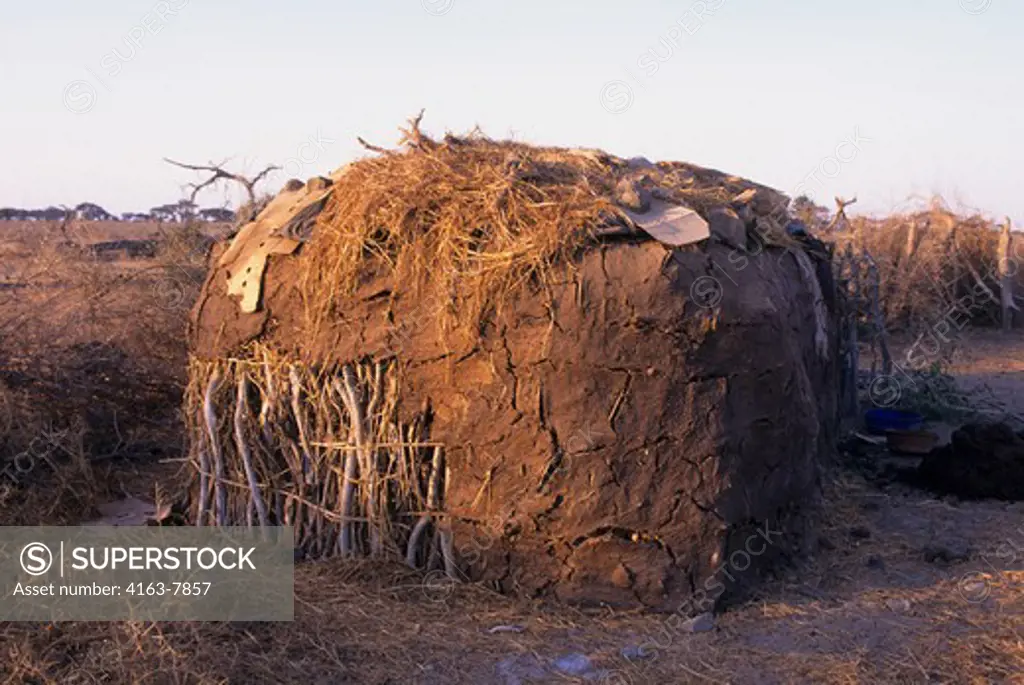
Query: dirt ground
point(989, 360)
point(902, 588)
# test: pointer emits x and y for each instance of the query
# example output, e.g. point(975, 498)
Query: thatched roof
point(470, 219)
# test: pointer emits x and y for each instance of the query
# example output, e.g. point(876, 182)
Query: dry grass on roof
point(472, 219)
point(470, 216)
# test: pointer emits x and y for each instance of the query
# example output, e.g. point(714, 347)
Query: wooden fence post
point(881, 337)
point(1006, 277)
point(912, 239)
point(852, 399)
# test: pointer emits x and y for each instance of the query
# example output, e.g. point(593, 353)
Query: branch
point(218, 173)
point(263, 174)
point(841, 204)
point(412, 136)
point(374, 148)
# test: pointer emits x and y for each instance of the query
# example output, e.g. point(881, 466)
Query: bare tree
point(218, 173)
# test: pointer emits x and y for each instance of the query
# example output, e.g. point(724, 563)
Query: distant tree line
point(178, 212)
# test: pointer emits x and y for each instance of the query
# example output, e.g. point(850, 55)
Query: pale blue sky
point(768, 90)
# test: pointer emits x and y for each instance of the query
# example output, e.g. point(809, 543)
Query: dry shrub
point(92, 364)
point(933, 264)
point(183, 248)
point(937, 395)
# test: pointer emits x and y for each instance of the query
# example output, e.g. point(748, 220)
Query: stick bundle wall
point(319, 449)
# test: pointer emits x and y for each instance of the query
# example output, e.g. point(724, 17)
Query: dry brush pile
point(935, 265)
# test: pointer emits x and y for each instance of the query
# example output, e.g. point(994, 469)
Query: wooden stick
point(451, 569)
point(876, 314)
point(246, 454)
point(348, 485)
point(269, 400)
point(220, 496)
point(204, 485)
point(344, 446)
point(950, 247)
point(432, 496)
point(371, 469)
point(854, 319)
point(433, 554)
point(448, 553)
point(1006, 277)
point(300, 419)
point(911, 248)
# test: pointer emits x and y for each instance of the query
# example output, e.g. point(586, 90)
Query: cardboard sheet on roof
point(279, 229)
point(671, 224)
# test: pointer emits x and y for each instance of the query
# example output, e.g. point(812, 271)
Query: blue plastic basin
point(879, 421)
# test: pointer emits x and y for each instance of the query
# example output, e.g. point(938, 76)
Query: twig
point(374, 148)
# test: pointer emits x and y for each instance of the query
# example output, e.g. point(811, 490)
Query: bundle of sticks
point(321, 450)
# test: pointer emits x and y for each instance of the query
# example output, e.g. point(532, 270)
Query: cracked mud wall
point(615, 443)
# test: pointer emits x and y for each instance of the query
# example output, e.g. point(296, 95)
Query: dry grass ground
point(867, 607)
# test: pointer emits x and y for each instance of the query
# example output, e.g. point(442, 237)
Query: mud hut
point(556, 371)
